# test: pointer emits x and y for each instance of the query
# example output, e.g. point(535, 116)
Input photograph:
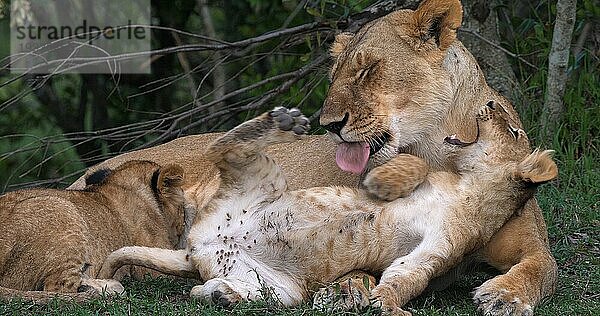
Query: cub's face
point(502, 146)
point(499, 141)
point(388, 89)
point(506, 141)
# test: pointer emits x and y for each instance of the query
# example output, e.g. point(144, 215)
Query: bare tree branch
point(185, 118)
point(504, 50)
point(185, 64)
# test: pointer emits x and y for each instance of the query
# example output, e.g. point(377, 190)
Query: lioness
point(255, 233)
point(402, 84)
point(56, 240)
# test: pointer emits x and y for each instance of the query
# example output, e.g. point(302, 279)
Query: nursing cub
point(56, 240)
point(255, 233)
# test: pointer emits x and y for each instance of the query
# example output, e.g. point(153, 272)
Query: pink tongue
point(352, 157)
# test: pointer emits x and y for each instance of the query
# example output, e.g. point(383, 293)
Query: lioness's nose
point(336, 126)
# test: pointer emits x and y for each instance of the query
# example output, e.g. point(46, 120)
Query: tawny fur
point(202, 177)
point(256, 233)
point(56, 240)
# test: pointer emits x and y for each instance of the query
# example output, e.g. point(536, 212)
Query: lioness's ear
point(435, 22)
point(340, 43)
point(169, 176)
point(538, 167)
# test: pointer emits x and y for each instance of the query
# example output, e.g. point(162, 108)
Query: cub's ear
point(538, 167)
point(98, 177)
point(435, 23)
point(466, 133)
point(340, 43)
point(170, 176)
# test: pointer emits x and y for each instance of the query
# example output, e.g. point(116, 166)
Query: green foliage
point(24, 127)
point(577, 141)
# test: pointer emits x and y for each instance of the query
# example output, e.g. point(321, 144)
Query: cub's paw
point(290, 120)
point(397, 178)
point(101, 286)
point(221, 292)
point(493, 299)
point(383, 296)
point(348, 295)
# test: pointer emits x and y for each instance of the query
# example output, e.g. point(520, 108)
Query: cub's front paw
point(290, 120)
point(384, 296)
point(397, 178)
point(495, 298)
point(101, 286)
point(351, 294)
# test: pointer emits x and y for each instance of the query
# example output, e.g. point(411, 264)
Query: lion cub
point(56, 240)
point(256, 233)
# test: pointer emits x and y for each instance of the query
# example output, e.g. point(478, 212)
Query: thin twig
point(506, 51)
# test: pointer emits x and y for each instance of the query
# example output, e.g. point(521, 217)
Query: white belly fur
point(250, 240)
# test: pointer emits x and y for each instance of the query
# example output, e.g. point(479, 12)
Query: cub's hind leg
point(226, 291)
point(250, 181)
point(61, 260)
point(239, 153)
point(247, 140)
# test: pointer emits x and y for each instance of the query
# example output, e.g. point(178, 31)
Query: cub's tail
point(173, 262)
point(42, 297)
